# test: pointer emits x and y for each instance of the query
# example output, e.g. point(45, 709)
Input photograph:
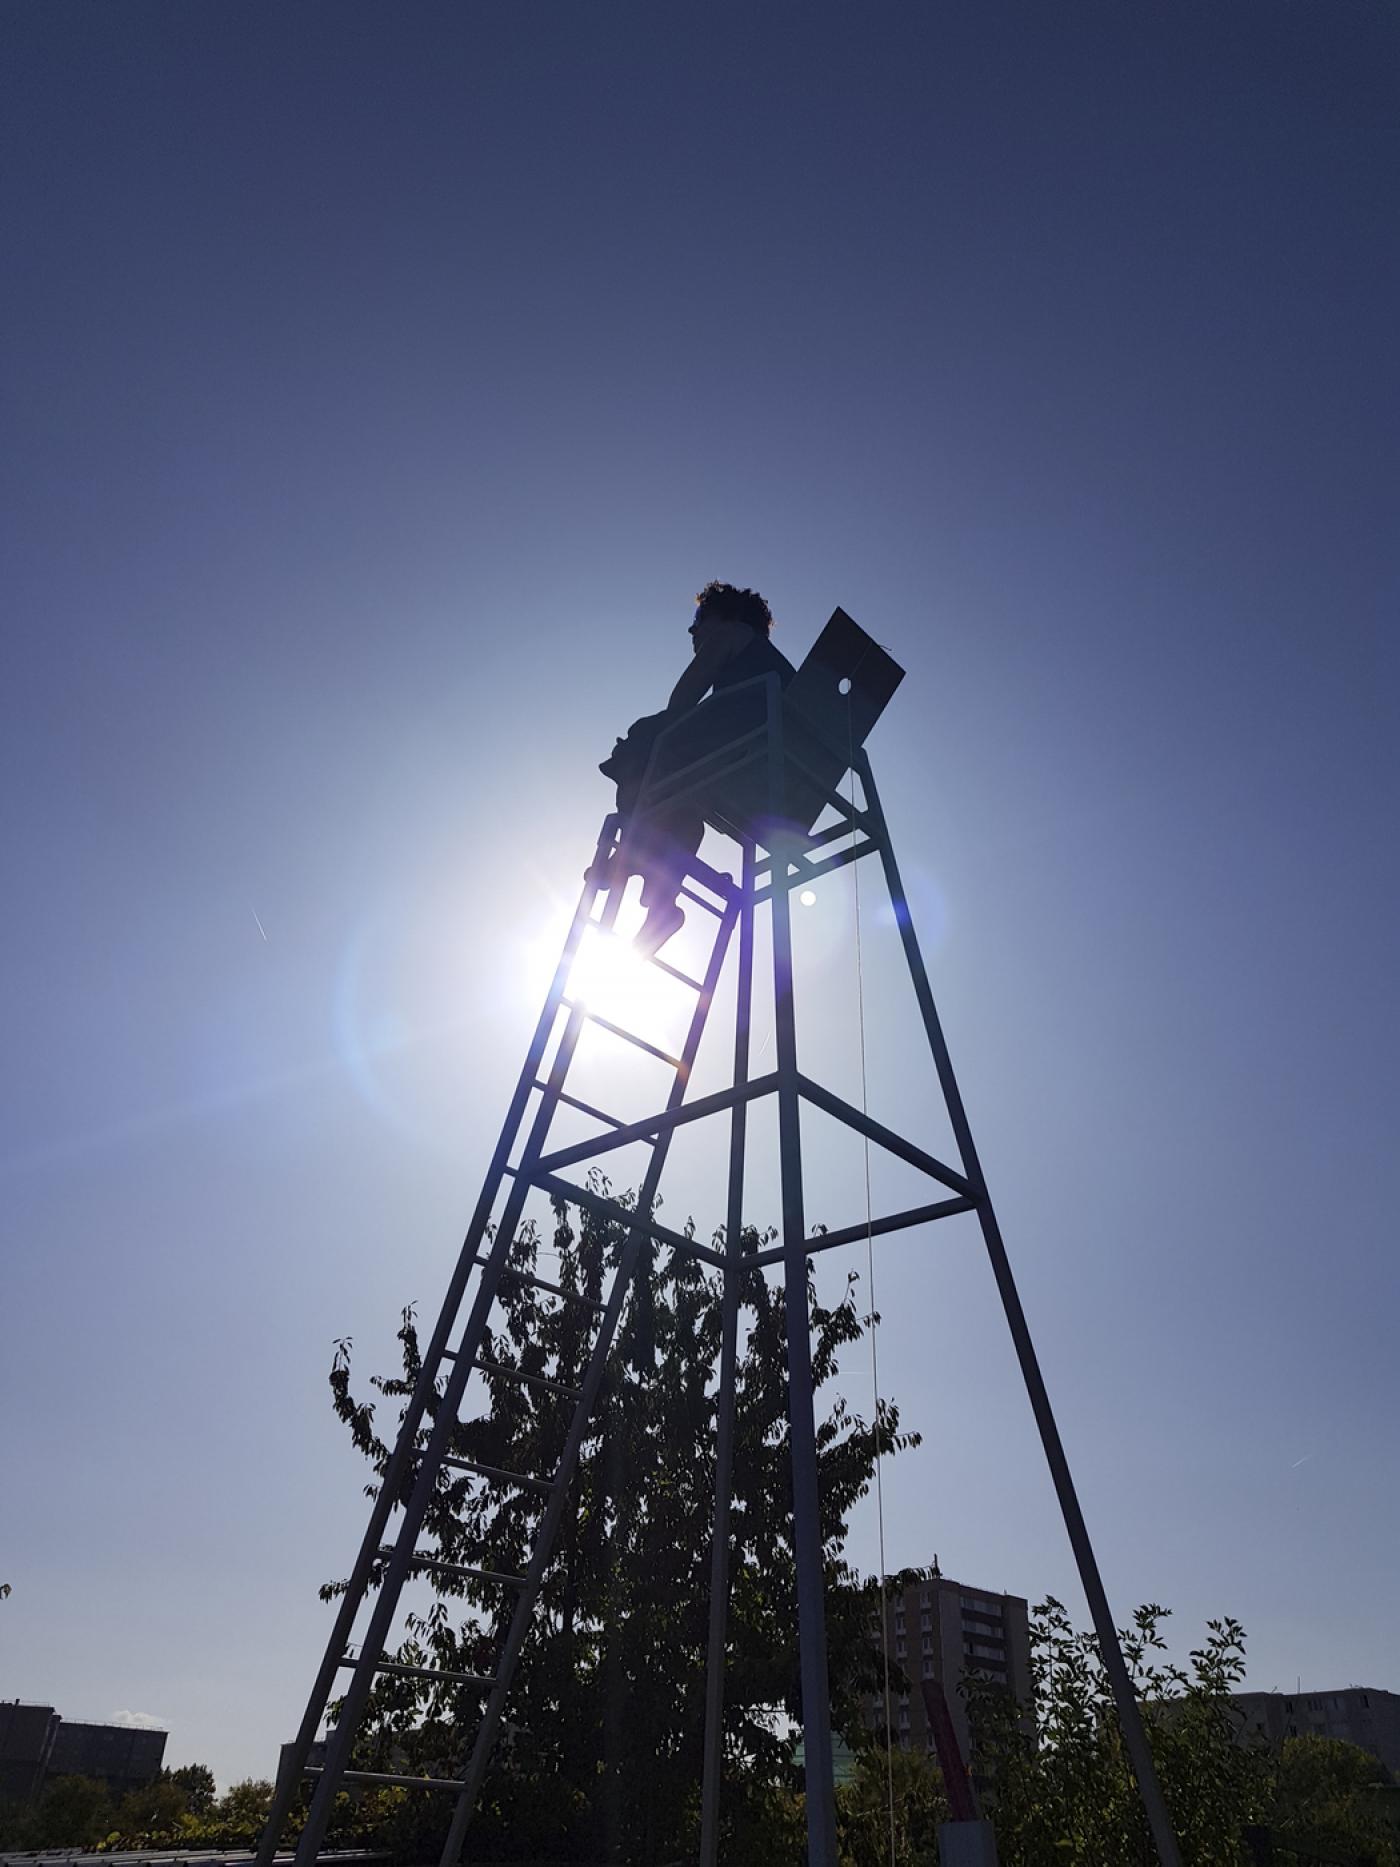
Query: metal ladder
point(383, 1566)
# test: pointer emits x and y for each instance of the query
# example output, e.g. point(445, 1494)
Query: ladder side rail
point(631, 1256)
point(340, 1741)
point(806, 1497)
point(289, 1776)
point(1129, 1715)
point(726, 1399)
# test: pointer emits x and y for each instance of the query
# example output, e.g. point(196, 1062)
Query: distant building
point(315, 1757)
point(1359, 1715)
point(36, 1744)
point(123, 1756)
point(26, 1735)
point(946, 1630)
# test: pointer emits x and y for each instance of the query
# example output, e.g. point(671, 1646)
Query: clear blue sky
point(379, 385)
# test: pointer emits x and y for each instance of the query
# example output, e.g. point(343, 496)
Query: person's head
point(725, 602)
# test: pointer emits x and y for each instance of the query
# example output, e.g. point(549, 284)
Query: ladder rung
point(533, 1380)
point(675, 973)
point(394, 1782)
point(587, 1108)
point(628, 1037)
point(501, 1477)
point(543, 1283)
point(424, 1672)
point(440, 1566)
point(700, 900)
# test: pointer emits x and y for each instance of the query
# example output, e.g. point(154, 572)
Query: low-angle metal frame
point(776, 856)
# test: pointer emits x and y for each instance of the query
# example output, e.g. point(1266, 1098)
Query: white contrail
point(261, 929)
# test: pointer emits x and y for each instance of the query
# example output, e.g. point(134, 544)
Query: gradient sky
point(380, 382)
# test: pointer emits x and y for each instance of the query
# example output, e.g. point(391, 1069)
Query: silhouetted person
point(730, 644)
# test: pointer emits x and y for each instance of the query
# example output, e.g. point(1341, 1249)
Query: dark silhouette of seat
point(719, 752)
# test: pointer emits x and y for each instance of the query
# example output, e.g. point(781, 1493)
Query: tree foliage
point(196, 1782)
point(1060, 1790)
point(601, 1757)
point(890, 1810)
point(177, 1808)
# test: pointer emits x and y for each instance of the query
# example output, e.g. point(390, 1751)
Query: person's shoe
point(605, 873)
point(657, 929)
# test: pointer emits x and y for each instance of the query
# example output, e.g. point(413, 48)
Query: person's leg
point(671, 838)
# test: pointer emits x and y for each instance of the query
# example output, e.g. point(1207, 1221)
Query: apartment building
point(1361, 1715)
point(945, 1630)
point(36, 1745)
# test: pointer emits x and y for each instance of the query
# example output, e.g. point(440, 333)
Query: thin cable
point(874, 1326)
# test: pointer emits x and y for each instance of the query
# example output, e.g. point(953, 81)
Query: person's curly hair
point(725, 602)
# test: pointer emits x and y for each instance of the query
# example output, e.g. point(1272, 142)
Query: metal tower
point(764, 763)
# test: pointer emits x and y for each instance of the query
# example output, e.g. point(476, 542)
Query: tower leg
point(806, 1497)
point(1129, 1716)
point(726, 1398)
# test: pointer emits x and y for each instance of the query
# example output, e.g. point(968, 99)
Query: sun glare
point(610, 979)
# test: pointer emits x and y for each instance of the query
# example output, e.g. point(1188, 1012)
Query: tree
point(913, 1784)
point(1058, 1784)
point(601, 1753)
point(1325, 1798)
point(240, 1815)
point(154, 1812)
point(70, 1811)
point(196, 1782)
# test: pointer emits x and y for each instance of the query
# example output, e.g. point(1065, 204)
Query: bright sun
point(613, 982)
point(609, 978)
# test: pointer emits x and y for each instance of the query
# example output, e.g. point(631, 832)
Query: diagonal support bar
point(876, 1131)
point(877, 1228)
point(663, 1123)
point(610, 1209)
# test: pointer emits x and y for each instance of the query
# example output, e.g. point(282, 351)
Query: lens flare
point(608, 977)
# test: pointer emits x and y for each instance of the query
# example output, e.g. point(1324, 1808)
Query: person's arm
point(715, 643)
